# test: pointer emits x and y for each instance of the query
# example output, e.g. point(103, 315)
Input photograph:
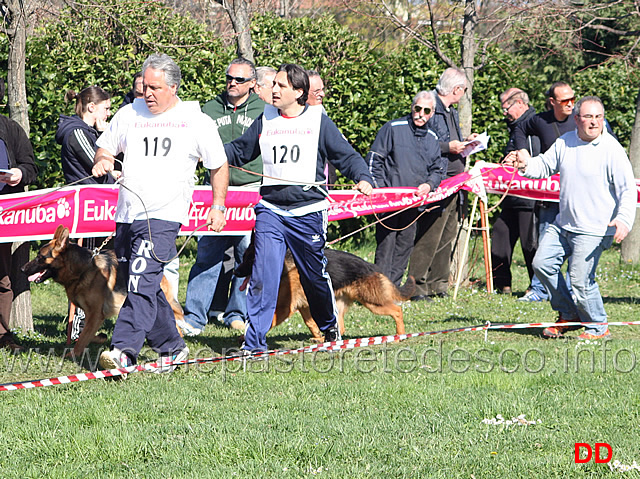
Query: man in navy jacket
point(405, 153)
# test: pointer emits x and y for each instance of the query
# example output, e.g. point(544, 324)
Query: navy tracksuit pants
point(305, 236)
point(146, 313)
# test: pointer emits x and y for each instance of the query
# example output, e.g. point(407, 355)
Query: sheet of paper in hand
point(479, 143)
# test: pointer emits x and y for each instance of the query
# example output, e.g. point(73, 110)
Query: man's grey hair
point(262, 72)
point(164, 63)
point(450, 78)
point(425, 94)
point(516, 94)
point(587, 99)
point(244, 61)
point(313, 73)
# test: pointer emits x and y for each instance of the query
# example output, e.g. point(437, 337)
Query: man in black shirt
point(548, 126)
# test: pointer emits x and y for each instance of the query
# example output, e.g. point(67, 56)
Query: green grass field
point(413, 409)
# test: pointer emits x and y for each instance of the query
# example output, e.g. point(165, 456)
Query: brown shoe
point(7, 342)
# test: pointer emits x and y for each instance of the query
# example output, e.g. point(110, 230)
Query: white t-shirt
point(161, 153)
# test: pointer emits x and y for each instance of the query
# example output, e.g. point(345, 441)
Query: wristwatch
point(222, 208)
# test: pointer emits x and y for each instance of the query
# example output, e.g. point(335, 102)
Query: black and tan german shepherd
point(91, 282)
point(353, 279)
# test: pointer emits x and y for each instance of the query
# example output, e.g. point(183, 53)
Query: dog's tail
point(245, 268)
point(408, 288)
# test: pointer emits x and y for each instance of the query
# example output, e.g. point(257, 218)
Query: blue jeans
point(585, 251)
point(203, 278)
point(546, 216)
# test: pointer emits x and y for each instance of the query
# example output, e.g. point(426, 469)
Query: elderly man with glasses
point(430, 262)
point(516, 220)
point(233, 112)
point(404, 153)
point(597, 206)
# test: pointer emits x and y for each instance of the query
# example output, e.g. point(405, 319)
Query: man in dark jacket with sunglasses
point(548, 126)
point(405, 153)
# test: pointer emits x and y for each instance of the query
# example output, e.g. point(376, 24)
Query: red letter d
point(607, 447)
point(577, 446)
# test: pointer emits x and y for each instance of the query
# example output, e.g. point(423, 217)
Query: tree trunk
point(240, 14)
point(16, 84)
point(630, 251)
point(468, 50)
point(285, 8)
point(21, 315)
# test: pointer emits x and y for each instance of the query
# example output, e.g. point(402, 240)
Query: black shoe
point(442, 294)
point(422, 297)
point(332, 334)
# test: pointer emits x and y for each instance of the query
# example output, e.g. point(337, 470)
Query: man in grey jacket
point(591, 160)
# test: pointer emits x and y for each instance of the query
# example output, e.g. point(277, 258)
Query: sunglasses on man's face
point(425, 109)
point(238, 80)
point(566, 101)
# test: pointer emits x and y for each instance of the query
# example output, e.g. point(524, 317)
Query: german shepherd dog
point(91, 282)
point(352, 278)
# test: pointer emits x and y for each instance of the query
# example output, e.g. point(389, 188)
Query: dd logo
point(597, 447)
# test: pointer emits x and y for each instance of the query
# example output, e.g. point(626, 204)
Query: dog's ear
point(61, 237)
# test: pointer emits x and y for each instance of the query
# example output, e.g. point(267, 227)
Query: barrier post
point(486, 243)
point(465, 249)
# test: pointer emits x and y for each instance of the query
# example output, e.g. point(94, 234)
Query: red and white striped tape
point(329, 346)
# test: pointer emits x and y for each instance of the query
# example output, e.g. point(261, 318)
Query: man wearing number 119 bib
point(295, 141)
point(162, 139)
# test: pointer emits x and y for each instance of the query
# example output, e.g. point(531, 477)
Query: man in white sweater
point(597, 206)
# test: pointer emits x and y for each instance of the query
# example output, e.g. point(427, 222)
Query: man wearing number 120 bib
point(295, 141)
point(162, 139)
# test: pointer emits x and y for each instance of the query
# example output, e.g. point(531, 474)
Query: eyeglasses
point(567, 101)
point(505, 110)
point(425, 109)
point(239, 80)
point(599, 116)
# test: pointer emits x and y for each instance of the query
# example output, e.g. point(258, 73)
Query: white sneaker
point(531, 297)
point(187, 329)
point(166, 363)
point(114, 359)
